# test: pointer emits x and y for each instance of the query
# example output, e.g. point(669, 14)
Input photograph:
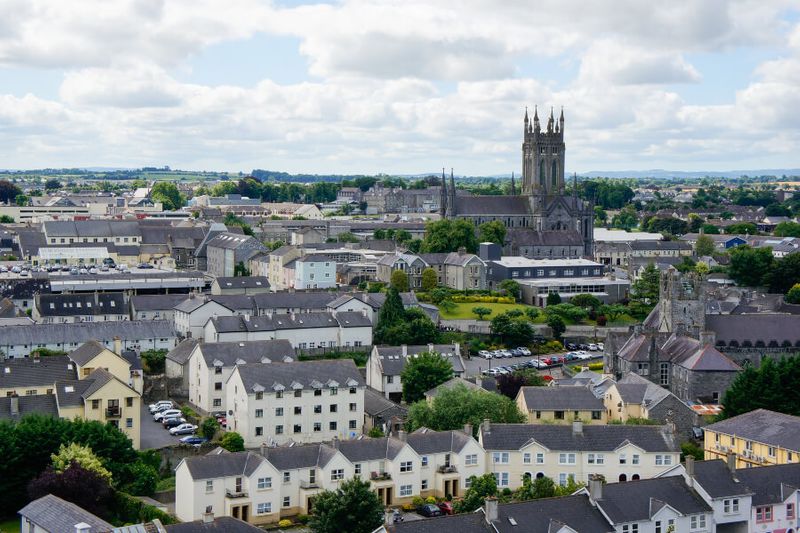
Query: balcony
point(380, 476)
point(113, 412)
point(447, 469)
point(308, 484)
point(233, 494)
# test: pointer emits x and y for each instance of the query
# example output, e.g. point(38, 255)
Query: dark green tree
point(556, 325)
point(704, 246)
point(449, 235)
point(492, 231)
point(742, 228)
point(430, 279)
point(512, 331)
point(645, 289)
point(232, 441)
point(391, 314)
point(481, 312)
point(784, 273)
point(749, 265)
point(8, 191)
point(586, 301)
point(481, 487)
point(423, 372)
point(399, 280)
point(168, 194)
point(353, 507)
point(787, 229)
point(793, 296)
point(553, 298)
point(52, 185)
point(209, 427)
point(511, 287)
point(509, 384)
point(773, 386)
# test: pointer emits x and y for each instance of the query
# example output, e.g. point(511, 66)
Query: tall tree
point(750, 265)
point(423, 372)
point(399, 280)
point(75, 484)
point(430, 279)
point(8, 191)
point(704, 246)
point(456, 406)
point(784, 273)
point(509, 384)
point(168, 194)
point(449, 235)
point(353, 507)
point(492, 231)
point(773, 385)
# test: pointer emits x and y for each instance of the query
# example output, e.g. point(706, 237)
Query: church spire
point(536, 118)
point(550, 121)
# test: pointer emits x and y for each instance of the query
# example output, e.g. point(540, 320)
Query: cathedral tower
point(543, 155)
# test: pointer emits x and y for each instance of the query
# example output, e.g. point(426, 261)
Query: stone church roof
point(531, 237)
point(491, 205)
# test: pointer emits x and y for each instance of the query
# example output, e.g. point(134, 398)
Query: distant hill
point(680, 174)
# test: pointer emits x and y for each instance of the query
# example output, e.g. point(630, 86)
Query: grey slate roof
point(425, 441)
point(54, 514)
point(393, 361)
point(316, 301)
point(156, 302)
point(304, 374)
point(601, 438)
point(102, 303)
point(634, 501)
point(24, 372)
point(243, 282)
point(367, 449)
point(770, 484)
point(375, 403)
point(44, 404)
point(302, 456)
point(228, 353)
point(492, 205)
point(716, 479)
point(560, 399)
point(315, 319)
point(762, 425)
point(221, 524)
point(755, 327)
point(86, 352)
point(91, 228)
point(180, 354)
point(78, 333)
point(223, 465)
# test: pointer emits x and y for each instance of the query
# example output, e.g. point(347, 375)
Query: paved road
point(153, 434)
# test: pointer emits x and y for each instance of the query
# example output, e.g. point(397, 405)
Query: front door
point(388, 495)
point(309, 504)
point(235, 512)
point(245, 513)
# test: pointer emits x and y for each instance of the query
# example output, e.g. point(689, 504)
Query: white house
point(314, 271)
point(386, 363)
point(192, 314)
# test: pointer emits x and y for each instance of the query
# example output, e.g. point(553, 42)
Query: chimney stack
point(689, 467)
point(14, 405)
point(468, 429)
point(577, 427)
point(117, 345)
point(82, 527)
point(487, 425)
point(731, 461)
point(264, 451)
point(402, 435)
point(335, 443)
point(404, 349)
point(490, 509)
point(595, 487)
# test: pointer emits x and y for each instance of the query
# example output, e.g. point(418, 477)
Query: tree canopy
point(351, 507)
point(509, 384)
point(449, 235)
point(423, 372)
point(430, 279)
point(749, 265)
point(397, 325)
point(168, 194)
point(773, 385)
point(492, 231)
point(511, 330)
point(399, 280)
point(704, 246)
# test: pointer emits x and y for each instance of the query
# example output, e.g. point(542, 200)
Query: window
point(217, 402)
point(764, 514)
point(317, 409)
point(623, 459)
point(406, 466)
point(596, 459)
point(209, 485)
point(95, 404)
point(353, 424)
point(424, 485)
point(697, 522)
point(501, 478)
point(317, 392)
point(129, 423)
point(337, 474)
point(730, 506)
point(389, 379)
point(334, 392)
point(297, 428)
point(128, 400)
point(287, 477)
point(664, 460)
point(352, 390)
point(405, 490)
point(218, 385)
point(771, 451)
point(358, 469)
point(264, 483)
point(260, 395)
point(635, 459)
point(333, 408)
point(790, 515)
point(630, 528)
point(597, 415)
point(352, 407)
point(317, 426)
point(279, 411)
point(538, 414)
point(469, 460)
point(278, 395)
point(500, 457)
point(298, 410)
point(264, 508)
point(539, 458)
point(526, 458)
point(279, 430)
point(259, 431)
point(563, 478)
point(468, 482)
point(259, 413)
point(664, 373)
point(566, 458)
point(298, 393)
point(287, 501)
point(424, 460)
point(558, 415)
point(332, 426)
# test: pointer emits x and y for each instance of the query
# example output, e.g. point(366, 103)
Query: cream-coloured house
point(301, 401)
point(618, 452)
point(102, 397)
point(561, 405)
point(92, 355)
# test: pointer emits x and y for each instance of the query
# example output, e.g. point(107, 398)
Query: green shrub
point(596, 366)
point(130, 510)
point(303, 518)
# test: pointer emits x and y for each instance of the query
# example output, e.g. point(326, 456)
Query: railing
point(447, 469)
point(235, 494)
point(380, 476)
point(113, 412)
point(308, 484)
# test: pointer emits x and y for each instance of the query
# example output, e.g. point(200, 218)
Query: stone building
point(542, 221)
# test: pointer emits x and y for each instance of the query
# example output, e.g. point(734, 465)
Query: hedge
point(483, 299)
point(130, 510)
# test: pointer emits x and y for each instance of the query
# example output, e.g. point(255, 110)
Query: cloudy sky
point(401, 86)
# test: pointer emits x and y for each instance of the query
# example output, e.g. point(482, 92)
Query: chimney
point(264, 449)
point(247, 317)
point(404, 349)
point(731, 461)
point(208, 516)
point(468, 429)
point(487, 425)
point(14, 405)
point(689, 467)
point(577, 427)
point(462, 250)
point(430, 347)
point(335, 443)
point(595, 488)
point(490, 509)
point(36, 357)
point(117, 345)
point(402, 435)
point(82, 527)
point(708, 337)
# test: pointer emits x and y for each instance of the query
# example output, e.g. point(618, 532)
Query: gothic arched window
point(554, 175)
point(541, 173)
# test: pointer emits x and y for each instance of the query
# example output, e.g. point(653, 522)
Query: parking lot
point(476, 364)
point(152, 434)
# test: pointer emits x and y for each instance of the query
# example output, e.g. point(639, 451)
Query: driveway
point(152, 434)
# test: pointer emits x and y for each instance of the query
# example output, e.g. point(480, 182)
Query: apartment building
point(192, 314)
point(80, 307)
point(386, 363)
point(758, 438)
point(577, 451)
point(302, 401)
point(561, 405)
point(211, 364)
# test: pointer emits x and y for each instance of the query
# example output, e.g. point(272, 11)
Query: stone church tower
point(543, 156)
point(681, 304)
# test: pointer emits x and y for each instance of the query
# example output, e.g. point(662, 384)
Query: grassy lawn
point(10, 526)
point(464, 310)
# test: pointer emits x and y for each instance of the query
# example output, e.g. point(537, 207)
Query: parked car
point(172, 421)
point(193, 440)
point(491, 372)
point(524, 350)
point(429, 509)
point(571, 346)
point(446, 507)
point(601, 346)
point(145, 266)
point(583, 346)
point(485, 354)
point(592, 347)
point(183, 429)
point(157, 406)
point(167, 413)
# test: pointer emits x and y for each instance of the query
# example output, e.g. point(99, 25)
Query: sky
point(397, 87)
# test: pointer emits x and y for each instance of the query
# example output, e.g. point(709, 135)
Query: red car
point(446, 507)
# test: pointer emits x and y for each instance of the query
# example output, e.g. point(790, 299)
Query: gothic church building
point(542, 222)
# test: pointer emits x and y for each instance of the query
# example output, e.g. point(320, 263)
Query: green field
point(464, 310)
point(10, 526)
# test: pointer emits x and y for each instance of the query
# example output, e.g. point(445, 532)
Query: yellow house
point(31, 376)
point(758, 438)
point(102, 397)
point(93, 355)
point(561, 405)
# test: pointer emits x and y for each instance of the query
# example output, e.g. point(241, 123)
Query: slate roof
point(531, 237)
point(294, 300)
point(762, 425)
point(223, 465)
point(243, 282)
point(560, 399)
point(653, 393)
point(94, 303)
point(86, 352)
point(44, 404)
point(222, 524)
point(180, 354)
point(635, 501)
point(367, 449)
point(91, 228)
point(156, 302)
point(593, 438)
point(376, 403)
point(301, 374)
point(716, 479)
point(300, 456)
point(770, 484)
point(132, 330)
point(24, 288)
point(51, 513)
point(492, 205)
point(755, 327)
point(458, 523)
point(232, 241)
point(425, 441)
point(22, 372)
point(228, 353)
point(393, 361)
